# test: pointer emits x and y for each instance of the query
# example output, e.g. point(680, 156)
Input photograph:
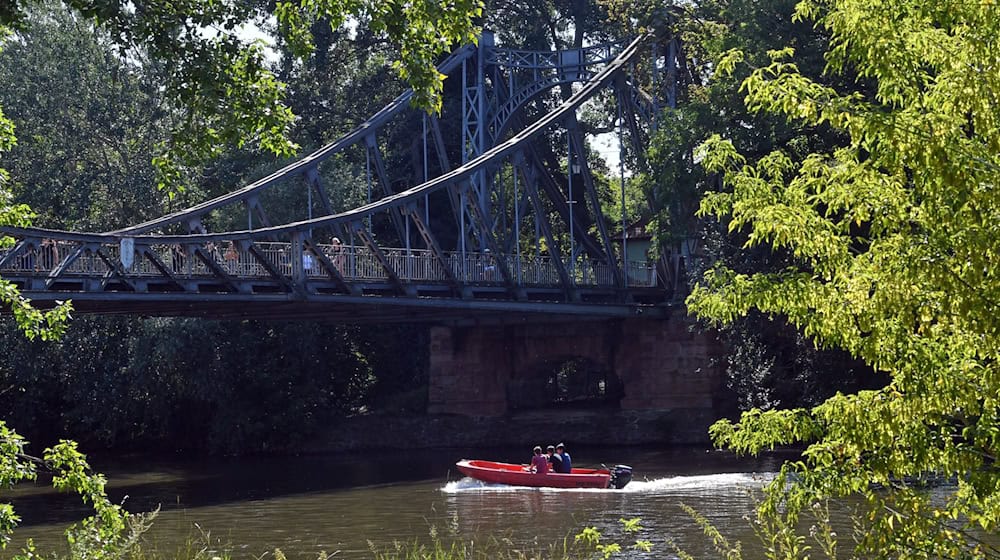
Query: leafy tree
point(219, 81)
point(185, 384)
point(768, 363)
point(88, 122)
point(110, 533)
point(33, 322)
point(118, 382)
point(891, 242)
point(548, 24)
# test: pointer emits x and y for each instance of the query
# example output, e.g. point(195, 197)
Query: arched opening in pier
point(574, 382)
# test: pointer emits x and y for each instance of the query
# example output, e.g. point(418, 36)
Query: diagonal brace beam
point(487, 235)
point(331, 269)
point(432, 244)
point(359, 229)
point(531, 187)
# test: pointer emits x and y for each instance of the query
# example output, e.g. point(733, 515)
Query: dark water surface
point(340, 503)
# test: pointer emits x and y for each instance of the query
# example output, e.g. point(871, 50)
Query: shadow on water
point(171, 483)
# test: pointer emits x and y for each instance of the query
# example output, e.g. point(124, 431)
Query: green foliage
point(425, 29)
point(778, 536)
point(218, 83)
point(89, 119)
point(217, 386)
point(46, 325)
point(726, 549)
point(108, 534)
point(34, 323)
point(585, 545)
point(87, 122)
point(767, 363)
point(891, 242)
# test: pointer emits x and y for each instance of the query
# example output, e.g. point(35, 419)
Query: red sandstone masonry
point(662, 364)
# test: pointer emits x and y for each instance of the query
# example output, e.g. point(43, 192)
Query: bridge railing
point(355, 263)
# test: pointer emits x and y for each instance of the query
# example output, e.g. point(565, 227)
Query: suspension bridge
point(510, 231)
point(486, 221)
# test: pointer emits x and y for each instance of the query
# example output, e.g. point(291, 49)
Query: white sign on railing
point(126, 252)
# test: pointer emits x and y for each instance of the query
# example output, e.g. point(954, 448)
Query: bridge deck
point(171, 279)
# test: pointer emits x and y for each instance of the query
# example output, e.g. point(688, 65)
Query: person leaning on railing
point(337, 253)
point(49, 254)
point(232, 258)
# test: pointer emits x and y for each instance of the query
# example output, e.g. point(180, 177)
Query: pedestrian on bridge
point(177, 258)
point(307, 261)
point(337, 250)
point(49, 254)
point(232, 257)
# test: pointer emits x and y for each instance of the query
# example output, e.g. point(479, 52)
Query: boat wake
point(699, 482)
point(663, 485)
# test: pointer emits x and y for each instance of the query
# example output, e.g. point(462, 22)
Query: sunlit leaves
point(424, 29)
point(110, 533)
point(894, 244)
point(220, 83)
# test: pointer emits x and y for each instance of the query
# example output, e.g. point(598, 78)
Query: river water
point(343, 504)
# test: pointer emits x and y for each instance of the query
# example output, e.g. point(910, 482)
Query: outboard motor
point(620, 476)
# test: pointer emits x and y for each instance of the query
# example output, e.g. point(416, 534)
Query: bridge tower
point(498, 83)
point(665, 369)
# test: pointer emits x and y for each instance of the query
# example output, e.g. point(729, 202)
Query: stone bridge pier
point(664, 374)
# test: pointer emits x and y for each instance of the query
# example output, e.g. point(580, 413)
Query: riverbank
point(379, 431)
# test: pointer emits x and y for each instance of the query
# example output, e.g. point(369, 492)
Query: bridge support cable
point(629, 115)
point(521, 203)
point(480, 111)
point(312, 176)
point(519, 206)
point(555, 193)
point(621, 170)
point(443, 162)
point(432, 245)
point(383, 178)
point(378, 120)
point(254, 205)
point(561, 205)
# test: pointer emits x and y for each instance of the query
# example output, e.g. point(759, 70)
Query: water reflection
point(339, 503)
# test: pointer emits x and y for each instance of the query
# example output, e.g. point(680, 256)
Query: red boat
point(521, 475)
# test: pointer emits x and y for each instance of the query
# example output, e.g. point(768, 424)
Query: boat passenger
point(567, 463)
point(539, 464)
point(555, 461)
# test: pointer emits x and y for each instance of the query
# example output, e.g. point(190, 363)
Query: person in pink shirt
point(539, 463)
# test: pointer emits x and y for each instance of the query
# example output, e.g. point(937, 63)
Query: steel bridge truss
point(512, 229)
